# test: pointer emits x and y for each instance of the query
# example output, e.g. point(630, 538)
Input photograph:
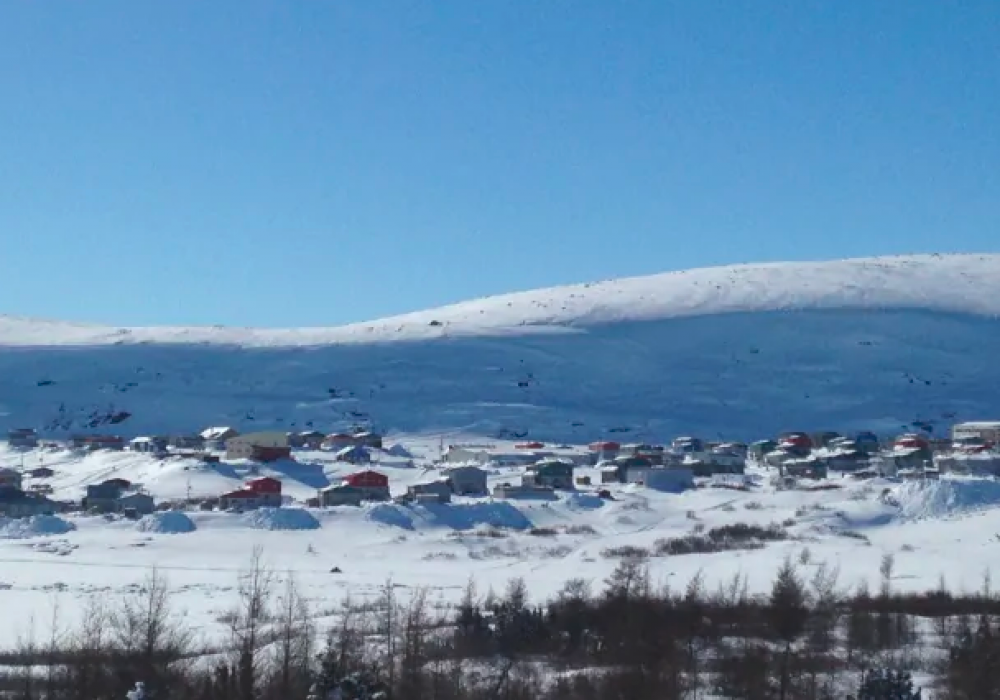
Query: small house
point(374, 484)
point(138, 503)
point(796, 443)
point(355, 454)
point(805, 469)
point(459, 454)
point(266, 446)
point(25, 438)
point(268, 489)
point(41, 473)
point(438, 491)
point(467, 481)
point(343, 495)
point(632, 470)
point(986, 431)
point(369, 439)
point(760, 448)
point(10, 478)
point(102, 497)
point(218, 435)
point(15, 503)
point(553, 474)
point(687, 445)
point(92, 443)
point(846, 460)
point(604, 450)
point(148, 445)
point(867, 442)
point(306, 440)
point(523, 491)
point(240, 499)
point(186, 442)
point(338, 441)
point(609, 473)
point(670, 479)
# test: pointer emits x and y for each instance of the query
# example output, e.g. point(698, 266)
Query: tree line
point(625, 638)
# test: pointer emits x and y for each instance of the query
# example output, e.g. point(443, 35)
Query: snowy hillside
point(735, 351)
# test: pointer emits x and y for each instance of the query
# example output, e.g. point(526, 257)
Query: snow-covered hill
point(735, 351)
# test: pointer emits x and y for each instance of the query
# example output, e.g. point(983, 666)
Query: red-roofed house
point(264, 492)
point(374, 484)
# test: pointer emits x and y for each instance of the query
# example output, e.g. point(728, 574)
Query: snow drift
point(35, 526)
point(860, 344)
point(918, 500)
point(281, 519)
point(166, 523)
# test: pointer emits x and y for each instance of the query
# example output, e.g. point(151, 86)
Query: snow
point(35, 526)
point(937, 499)
point(281, 519)
point(737, 353)
point(934, 528)
point(872, 344)
point(167, 523)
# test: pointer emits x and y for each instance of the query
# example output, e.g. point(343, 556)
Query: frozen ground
point(947, 529)
point(858, 344)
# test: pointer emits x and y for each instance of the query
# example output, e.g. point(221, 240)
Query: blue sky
point(320, 162)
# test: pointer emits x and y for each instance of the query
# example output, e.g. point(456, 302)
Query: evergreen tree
point(886, 684)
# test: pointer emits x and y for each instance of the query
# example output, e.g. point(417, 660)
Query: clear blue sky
point(325, 161)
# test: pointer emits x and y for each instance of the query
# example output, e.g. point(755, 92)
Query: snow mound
point(35, 526)
point(584, 501)
point(281, 519)
point(466, 516)
point(392, 515)
point(936, 499)
point(167, 523)
point(460, 516)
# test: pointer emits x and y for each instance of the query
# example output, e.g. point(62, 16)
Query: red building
point(530, 446)
point(338, 441)
point(367, 479)
point(607, 446)
point(374, 485)
point(264, 492)
point(265, 485)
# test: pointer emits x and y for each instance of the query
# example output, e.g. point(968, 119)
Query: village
point(525, 470)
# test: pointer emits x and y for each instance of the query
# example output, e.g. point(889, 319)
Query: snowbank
point(281, 519)
point(584, 501)
point(167, 523)
point(35, 526)
point(389, 514)
point(935, 499)
point(461, 516)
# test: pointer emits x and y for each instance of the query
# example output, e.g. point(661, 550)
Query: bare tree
point(295, 636)
point(388, 624)
point(248, 624)
point(414, 644)
point(91, 646)
point(151, 639)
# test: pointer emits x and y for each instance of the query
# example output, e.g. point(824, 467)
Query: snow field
point(946, 528)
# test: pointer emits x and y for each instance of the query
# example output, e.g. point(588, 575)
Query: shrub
point(626, 551)
point(726, 538)
point(543, 532)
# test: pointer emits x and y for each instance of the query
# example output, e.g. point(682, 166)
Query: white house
point(248, 446)
point(673, 479)
point(458, 454)
point(987, 431)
